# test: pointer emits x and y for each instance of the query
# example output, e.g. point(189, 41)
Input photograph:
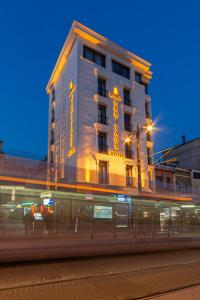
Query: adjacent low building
point(187, 154)
point(169, 178)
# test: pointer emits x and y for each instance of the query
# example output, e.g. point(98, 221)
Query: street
point(113, 277)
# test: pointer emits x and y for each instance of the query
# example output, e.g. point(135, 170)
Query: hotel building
point(98, 98)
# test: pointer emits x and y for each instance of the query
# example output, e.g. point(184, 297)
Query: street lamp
point(149, 128)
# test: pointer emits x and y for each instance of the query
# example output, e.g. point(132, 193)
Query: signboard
point(45, 195)
point(102, 212)
point(48, 201)
point(89, 197)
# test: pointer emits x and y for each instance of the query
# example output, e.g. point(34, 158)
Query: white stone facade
point(73, 154)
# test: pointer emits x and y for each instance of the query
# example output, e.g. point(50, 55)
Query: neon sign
point(72, 149)
point(116, 98)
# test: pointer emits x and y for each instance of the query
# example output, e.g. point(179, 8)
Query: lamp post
point(137, 132)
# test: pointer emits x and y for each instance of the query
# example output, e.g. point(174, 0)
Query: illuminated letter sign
point(116, 98)
point(72, 149)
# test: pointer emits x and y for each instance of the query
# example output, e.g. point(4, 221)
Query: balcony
point(103, 148)
point(103, 120)
point(103, 92)
point(128, 127)
point(129, 154)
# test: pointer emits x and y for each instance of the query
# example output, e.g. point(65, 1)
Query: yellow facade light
point(149, 128)
point(127, 140)
point(72, 149)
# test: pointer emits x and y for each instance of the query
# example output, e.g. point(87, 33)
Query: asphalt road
point(106, 278)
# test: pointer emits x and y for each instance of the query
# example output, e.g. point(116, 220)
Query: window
point(126, 96)
point(52, 116)
point(51, 157)
point(94, 56)
point(102, 87)
point(145, 88)
point(52, 137)
point(103, 148)
point(102, 114)
point(149, 157)
point(196, 175)
point(149, 137)
point(103, 172)
point(120, 69)
point(53, 94)
point(138, 78)
point(129, 175)
point(127, 122)
point(147, 110)
point(128, 150)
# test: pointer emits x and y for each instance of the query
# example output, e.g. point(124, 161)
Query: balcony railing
point(129, 154)
point(103, 148)
point(128, 127)
point(103, 120)
point(128, 101)
point(179, 188)
point(102, 92)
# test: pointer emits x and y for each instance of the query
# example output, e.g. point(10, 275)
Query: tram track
point(141, 283)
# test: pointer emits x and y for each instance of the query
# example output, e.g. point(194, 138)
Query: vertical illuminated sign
point(72, 149)
point(116, 98)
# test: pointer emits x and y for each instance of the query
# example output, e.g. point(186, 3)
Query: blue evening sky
point(166, 33)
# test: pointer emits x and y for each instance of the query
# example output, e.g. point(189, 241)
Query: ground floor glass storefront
point(87, 215)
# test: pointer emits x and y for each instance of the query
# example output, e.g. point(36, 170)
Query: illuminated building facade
point(98, 95)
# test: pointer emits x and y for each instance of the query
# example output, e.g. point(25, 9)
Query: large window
point(120, 69)
point(102, 142)
point(127, 122)
point(94, 56)
point(149, 156)
point(126, 96)
point(102, 114)
point(138, 78)
point(146, 88)
point(103, 172)
point(128, 150)
point(129, 175)
point(147, 110)
point(102, 87)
